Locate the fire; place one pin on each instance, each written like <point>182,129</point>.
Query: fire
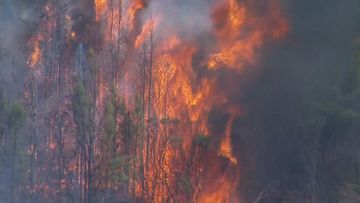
<point>44,31</point>
<point>35,56</point>
<point>100,6</point>
<point>282,27</point>
<point>229,19</point>
<point>175,75</point>
<point>145,33</point>
<point>225,147</point>
<point>177,96</point>
<point>73,34</point>
<point>132,12</point>
<point>236,45</point>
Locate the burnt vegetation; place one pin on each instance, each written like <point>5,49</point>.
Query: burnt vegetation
<point>220,101</point>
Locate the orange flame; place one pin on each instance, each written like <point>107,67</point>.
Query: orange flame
<point>35,56</point>
<point>237,46</point>
<point>225,147</point>
<point>147,29</point>
<point>180,94</point>
<point>100,6</point>
<point>181,98</point>
<point>132,12</point>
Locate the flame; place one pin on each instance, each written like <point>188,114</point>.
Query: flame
<point>181,95</point>
<point>100,6</point>
<point>236,45</point>
<point>148,27</point>
<point>43,35</point>
<point>225,147</point>
<point>133,11</point>
<point>73,34</point>
<point>278,20</point>
<point>35,56</point>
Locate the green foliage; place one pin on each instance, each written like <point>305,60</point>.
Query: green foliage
<point>79,98</point>
<point>94,68</point>
<point>17,117</point>
<point>351,85</point>
<point>120,164</point>
<point>176,141</point>
<point>350,192</point>
<point>357,68</point>
<point>13,159</point>
<point>12,117</point>
<point>120,177</point>
<point>80,107</point>
<point>152,121</point>
<point>117,162</point>
<point>329,108</point>
<point>138,106</point>
<point>183,183</point>
<point>127,128</point>
<point>3,103</point>
<point>3,112</point>
<point>3,50</point>
<point>202,141</point>
<point>331,139</point>
<point>122,107</point>
<point>109,120</point>
<point>167,120</point>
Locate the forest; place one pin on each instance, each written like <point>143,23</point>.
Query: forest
<point>179,101</point>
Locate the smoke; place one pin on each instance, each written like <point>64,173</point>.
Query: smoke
<point>312,61</point>
<point>17,20</point>
<point>310,64</point>
<point>189,19</point>
<point>322,39</point>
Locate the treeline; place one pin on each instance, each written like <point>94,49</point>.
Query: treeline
<point>298,145</point>
<point>13,154</point>
<point>87,137</point>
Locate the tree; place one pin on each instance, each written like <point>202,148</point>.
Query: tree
<point>16,121</point>
<point>81,117</point>
<point>3,115</point>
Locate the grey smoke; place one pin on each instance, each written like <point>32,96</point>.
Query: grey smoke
<point>17,19</point>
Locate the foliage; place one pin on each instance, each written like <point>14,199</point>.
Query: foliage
<point>120,162</point>
<point>17,117</point>
<point>202,140</point>
<point>167,120</point>
<point>80,107</point>
<point>109,120</point>
<point>183,183</point>
<point>94,68</point>
<point>12,144</point>
<point>176,141</point>
<point>329,108</point>
<point>3,113</point>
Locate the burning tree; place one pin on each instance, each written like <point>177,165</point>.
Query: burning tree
<point>123,98</point>
<point>179,101</point>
